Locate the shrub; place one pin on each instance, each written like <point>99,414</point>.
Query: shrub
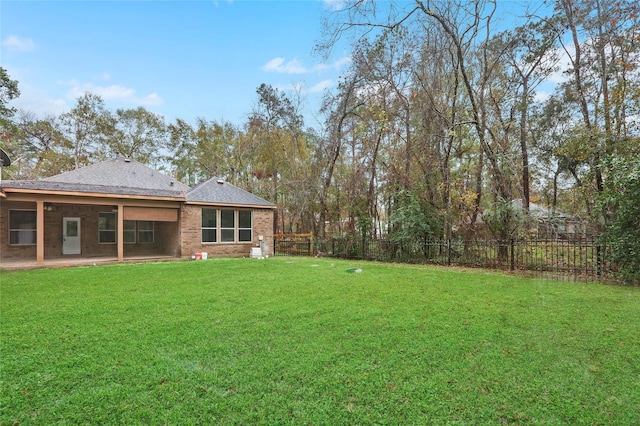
<point>620,205</point>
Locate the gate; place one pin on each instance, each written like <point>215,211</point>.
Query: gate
<point>293,244</point>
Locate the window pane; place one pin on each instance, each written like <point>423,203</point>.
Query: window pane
<point>107,221</point>
<point>107,236</point>
<point>129,231</point>
<point>22,219</point>
<point>145,231</point>
<point>22,237</point>
<point>227,235</point>
<point>244,235</point>
<point>129,237</point>
<point>22,227</point>
<point>145,236</point>
<point>107,227</point>
<point>209,235</point>
<point>209,218</point>
<point>72,228</point>
<point>145,225</point>
<point>227,218</point>
<point>244,219</point>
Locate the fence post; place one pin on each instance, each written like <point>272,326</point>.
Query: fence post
<point>448,251</point>
<point>599,259</point>
<point>311,244</point>
<point>513,257</point>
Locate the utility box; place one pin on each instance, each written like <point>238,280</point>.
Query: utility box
<point>256,252</point>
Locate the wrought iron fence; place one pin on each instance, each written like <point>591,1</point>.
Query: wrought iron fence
<point>575,258</point>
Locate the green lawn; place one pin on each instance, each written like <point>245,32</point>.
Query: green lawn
<point>304,341</point>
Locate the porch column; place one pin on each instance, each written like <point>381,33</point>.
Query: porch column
<point>40,231</point>
<point>120,236</point>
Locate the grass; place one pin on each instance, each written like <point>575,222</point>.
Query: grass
<point>303,341</point>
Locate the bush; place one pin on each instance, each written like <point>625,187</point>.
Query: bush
<point>620,205</point>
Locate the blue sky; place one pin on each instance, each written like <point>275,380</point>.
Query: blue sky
<point>181,59</point>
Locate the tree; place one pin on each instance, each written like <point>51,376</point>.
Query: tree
<point>38,147</point>
<point>8,91</point>
<point>87,127</point>
<point>276,131</point>
<point>621,204</point>
<point>134,133</point>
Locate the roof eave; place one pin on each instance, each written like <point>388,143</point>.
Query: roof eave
<point>89,194</point>
<point>219,204</point>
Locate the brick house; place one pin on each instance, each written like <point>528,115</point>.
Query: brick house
<point>123,209</point>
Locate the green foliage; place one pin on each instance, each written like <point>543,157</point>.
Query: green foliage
<point>504,218</point>
<point>138,134</point>
<point>410,221</point>
<point>86,128</point>
<point>243,341</point>
<point>8,91</point>
<point>620,205</point>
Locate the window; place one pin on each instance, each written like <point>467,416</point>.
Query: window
<point>209,225</point>
<point>145,231</point>
<point>107,228</point>
<point>22,227</point>
<point>129,232</point>
<point>244,226</point>
<point>227,226</point>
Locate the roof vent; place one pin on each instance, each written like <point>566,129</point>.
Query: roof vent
<point>220,181</point>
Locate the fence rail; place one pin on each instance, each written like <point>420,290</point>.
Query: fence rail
<point>293,244</point>
<point>575,258</point>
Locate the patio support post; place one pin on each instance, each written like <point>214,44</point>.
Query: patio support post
<point>40,231</point>
<point>120,237</point>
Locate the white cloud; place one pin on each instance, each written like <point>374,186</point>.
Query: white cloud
<point>113,93</point>
<point>541,95</point>
<point>295,66</point>
<point>321,86</point>
<point>345,60</point>
<point>563,64</point>
<point>279,65</point>
<point>334,5</point>
<point>39,102</point>
<point>17,44</point>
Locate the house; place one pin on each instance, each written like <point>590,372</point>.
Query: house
<point>123,209</point>
<point>554,224</point>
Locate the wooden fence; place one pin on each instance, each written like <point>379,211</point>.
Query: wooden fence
<point>293,244</point>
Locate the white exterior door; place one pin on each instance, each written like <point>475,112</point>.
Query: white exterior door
<point>70,235</point>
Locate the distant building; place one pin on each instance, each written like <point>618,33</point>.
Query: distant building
<point>550,224</point>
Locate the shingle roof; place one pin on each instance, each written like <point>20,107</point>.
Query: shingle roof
<point>128,177</point>
<point>219,192</point>
<point>121,172</point>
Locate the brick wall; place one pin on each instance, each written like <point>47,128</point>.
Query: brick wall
<point>181,238</point>
<point>191,235</point>
<point>166,234</point>
<point>13,252</point>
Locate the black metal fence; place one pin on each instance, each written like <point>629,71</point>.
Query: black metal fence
<point>574,258</point>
